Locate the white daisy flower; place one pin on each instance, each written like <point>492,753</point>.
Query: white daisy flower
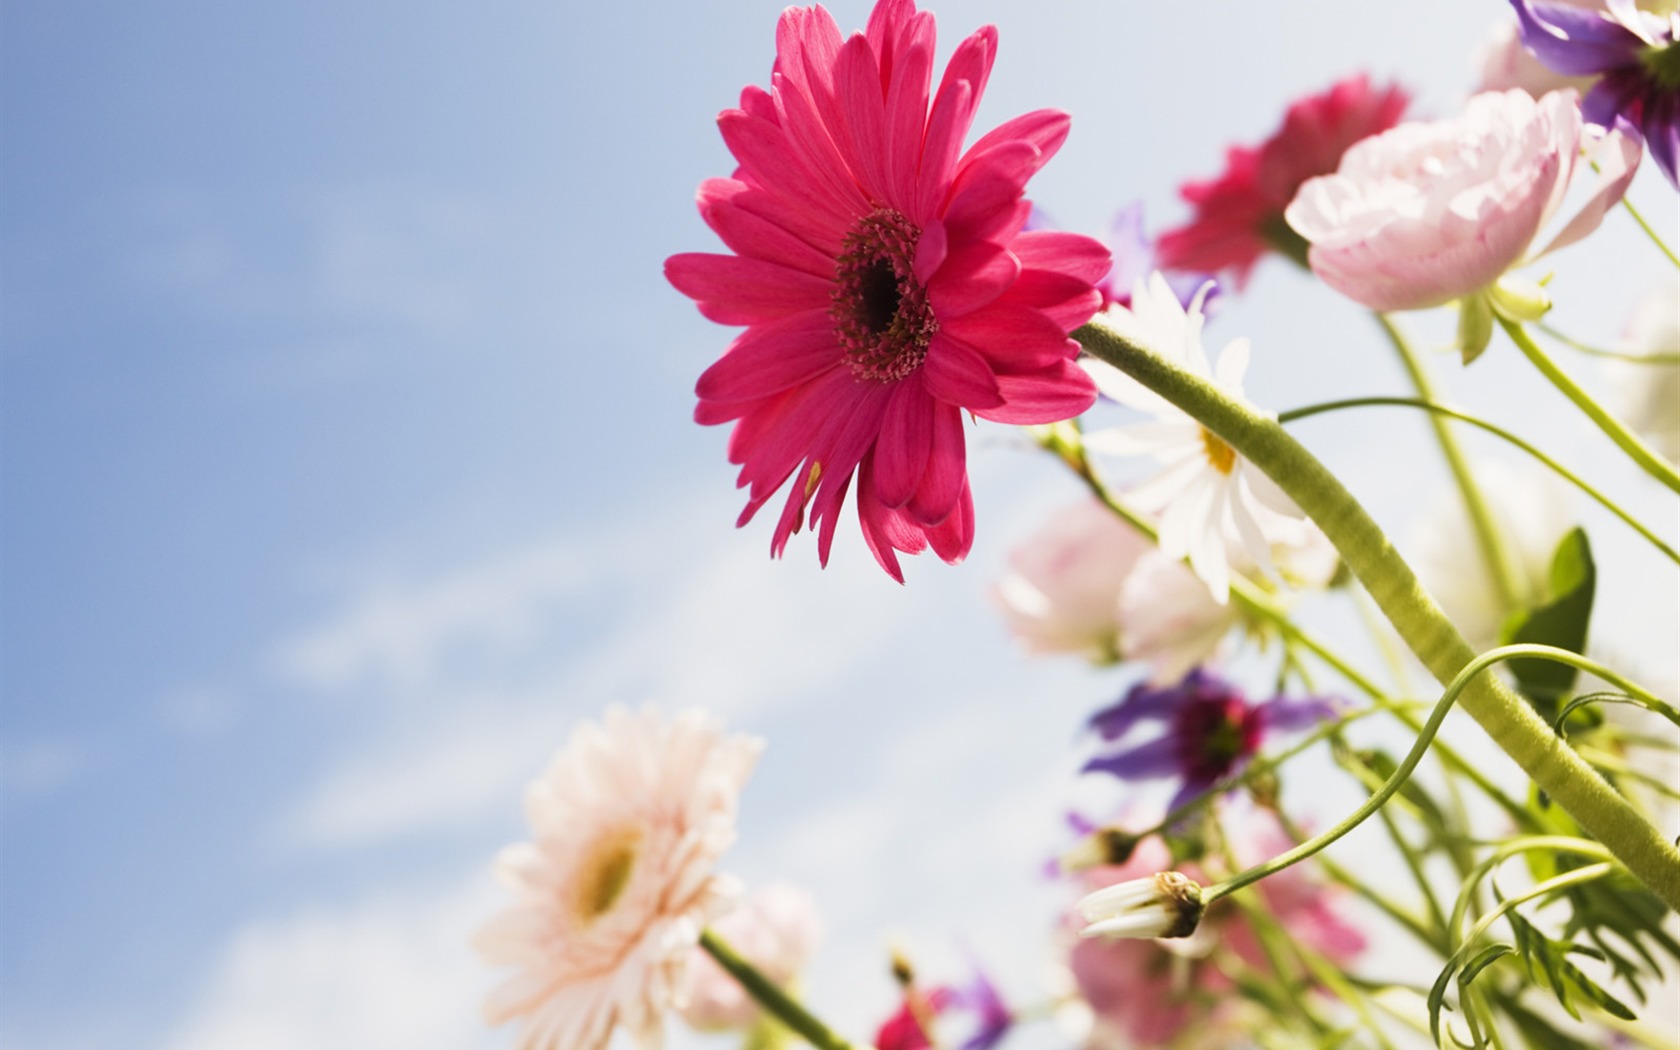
<point>1207,495</point>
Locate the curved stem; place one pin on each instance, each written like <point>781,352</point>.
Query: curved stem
<point>777,1002</point>
<point>1505,716</point>
<point>1551,464</point>
<point>1641,453</point>
<point>1649,232</point>
<point>1658,358</point>
<point>1494,554</point>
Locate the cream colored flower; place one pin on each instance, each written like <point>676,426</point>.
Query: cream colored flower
<point>1167,904</point>
<point>1648,395</point>
<point>617,883</point>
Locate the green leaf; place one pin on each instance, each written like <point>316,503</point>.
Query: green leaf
<point>1556,972</point>
<point>1561,622</point>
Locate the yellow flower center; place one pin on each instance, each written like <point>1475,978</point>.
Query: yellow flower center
<point>1220,456</point>
<point>605,872</point>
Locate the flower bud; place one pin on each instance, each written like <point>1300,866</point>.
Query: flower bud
<point>1167,904</point>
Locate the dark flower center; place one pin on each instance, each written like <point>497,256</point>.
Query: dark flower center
<point>1215,733</point>
<point>1662,63</point>
<point>880,311</point>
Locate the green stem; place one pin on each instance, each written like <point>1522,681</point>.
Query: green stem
<point>783,1006</point>
<point>1658,358</point>
<point>1405,919</point>
<point>1649,232</point>
<point>1641,453</point>
<point>1505,716</point>
<point>1551,464</point>
<point>1455,689</point>
<point>1495,556</point>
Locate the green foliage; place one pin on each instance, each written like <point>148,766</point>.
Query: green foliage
<point>1561,622</point>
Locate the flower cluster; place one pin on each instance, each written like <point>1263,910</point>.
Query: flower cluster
<point>892,285</point>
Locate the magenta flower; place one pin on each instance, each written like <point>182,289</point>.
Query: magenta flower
<point>886,282</point>
<point>1211,731</point>
<point>1635,54</point>
<point>1239,215</point>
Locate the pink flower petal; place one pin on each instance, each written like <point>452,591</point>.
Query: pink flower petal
<point>972,277</point>
<point>769,358</point>
<point>730,289</point>
<point>946,475</point>
<point>957,375</point>
<point>901,454</point>
<point>1061,392</point>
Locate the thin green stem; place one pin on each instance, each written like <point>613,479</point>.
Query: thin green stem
<point>1659,358</point>
<point>1553,844</point>
<point>1651,233</point>
<point>1408,921</point>
<point>1449,696</point>
<point>1443,410</point>
<point>782,1006</point>
<point>1505,716</point>
<point>1641,453</point>
<point>1500,564</point>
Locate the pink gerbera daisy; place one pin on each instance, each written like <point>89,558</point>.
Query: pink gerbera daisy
<point>885,281</point>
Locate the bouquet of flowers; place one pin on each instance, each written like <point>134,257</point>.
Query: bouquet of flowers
<point>893,284</point>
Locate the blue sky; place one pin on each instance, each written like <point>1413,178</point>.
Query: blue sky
<point>347,461</point>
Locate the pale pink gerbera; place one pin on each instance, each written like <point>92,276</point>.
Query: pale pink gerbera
<point>613,892</point>
<point>885,280</point>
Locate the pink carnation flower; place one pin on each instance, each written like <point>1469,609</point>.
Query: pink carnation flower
<point>1239,215</point>
<point>1431,212</point>
<point>613,892</point>
<point>1089,583</point>
<point>885,281</point>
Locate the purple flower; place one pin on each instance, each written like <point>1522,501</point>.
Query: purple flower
<point>1633,52</point>
<point>992,1019</point>
<point>1210,731</point>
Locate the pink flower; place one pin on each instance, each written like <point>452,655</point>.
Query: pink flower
<point>776,931</point>
<point>1089,583</point>
<point>1431,212</point>
<point>628,821</point>
<point>1147,993</point>
<point>1062,594</point>
<point>885,281</point>
<point>1239,215</point>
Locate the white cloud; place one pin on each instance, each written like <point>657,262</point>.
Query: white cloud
<point>396,634</point>
<point>391,971</point>
<point>726,629</point>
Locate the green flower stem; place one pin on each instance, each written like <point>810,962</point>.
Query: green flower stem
<point>1649,232</point>
<point>1551,464</point>
<point>1256,601</point>
<point>777,1002</point>
<point>1552,844</point>
<point>1500,564</point>
<point>1641,453</point>
<point>1659,358</point>
<point>1666,869</point>
<point>1408,921</point>
<point>1504,715</point>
